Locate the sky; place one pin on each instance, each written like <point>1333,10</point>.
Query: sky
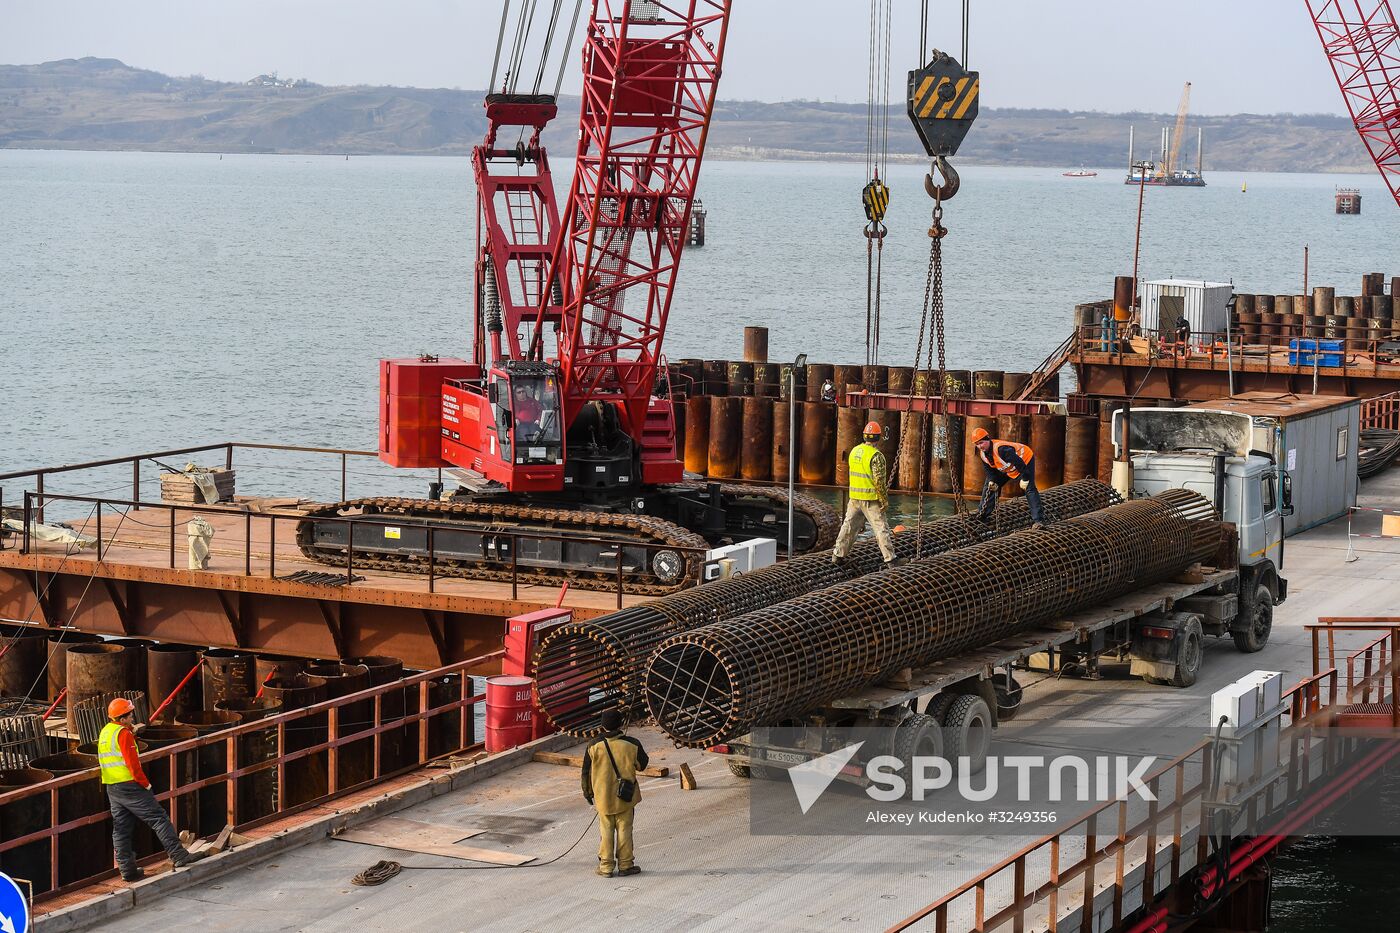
<point>1259,56</point>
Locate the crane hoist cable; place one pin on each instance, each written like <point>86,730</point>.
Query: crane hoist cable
<point>875,196</point>
<point>942,104</point>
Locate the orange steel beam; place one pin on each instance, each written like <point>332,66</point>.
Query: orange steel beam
<point>257,613</point>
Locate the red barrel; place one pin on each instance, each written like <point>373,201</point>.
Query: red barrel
<point>510,712</point>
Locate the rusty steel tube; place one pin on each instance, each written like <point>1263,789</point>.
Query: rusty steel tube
<point>716,377</point>
<point>166,667</point>
<point>586,667</point>
<point>740,378</point>
<point>756,453</point>
<point>913,451</point>
<point>816,443</point>
<point>845,378</point>
<point>817,374</point>
<point>697,434</point>
<point>900,380</point>
<point>1081,447</point>
<point>945,452</point>
<point>1048,442</point>
<point>1015,428</point>
<point>974,472</point>
<point>849,424</point>
<point>60,641</point>
<point>726,430</point>
<point>766,377</point>
<point>756,344</point>
<point>780,449</point>
<point>718,681</point>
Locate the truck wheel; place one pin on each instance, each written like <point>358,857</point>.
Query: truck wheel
<point>1190,653</point>
<point>1255,635</point>
<point>969,731</point>
<point>918,735</point>
<point>1008,695</point>
<point>749,770</point>
<point>938,707</point>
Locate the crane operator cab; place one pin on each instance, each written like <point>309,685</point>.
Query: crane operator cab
<point>524,401</point>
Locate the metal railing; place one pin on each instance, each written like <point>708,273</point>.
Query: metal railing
<point>227,448</point>
<point>322,756</point>
<point>1382,411</point>
<point>1222,351</point>
<point>1373,669</point>
<point>1188,778</point>
<point>503,541</point>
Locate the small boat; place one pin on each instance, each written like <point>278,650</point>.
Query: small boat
<point>1080,172</point>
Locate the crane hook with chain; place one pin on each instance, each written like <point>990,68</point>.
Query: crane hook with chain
<point>942,105</point>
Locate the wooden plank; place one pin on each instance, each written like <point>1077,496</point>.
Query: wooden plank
<point>576,761</point>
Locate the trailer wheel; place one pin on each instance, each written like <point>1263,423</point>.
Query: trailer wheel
<point>1255,635</point>
<point>968,731</point>
<point>1190,654</point>
<point>738,769</point>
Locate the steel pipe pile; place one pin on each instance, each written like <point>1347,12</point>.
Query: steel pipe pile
<point>584,668</point>
<point>713,683</point>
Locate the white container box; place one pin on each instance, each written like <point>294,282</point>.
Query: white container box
<point>1205,306</point>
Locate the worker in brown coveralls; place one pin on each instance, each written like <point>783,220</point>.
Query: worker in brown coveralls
<point>610,769</point>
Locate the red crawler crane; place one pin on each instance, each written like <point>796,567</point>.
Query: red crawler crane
<point>566,436</point>
<point>1362,44</point>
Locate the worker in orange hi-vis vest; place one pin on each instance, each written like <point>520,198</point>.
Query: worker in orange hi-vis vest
<point>1005,461</point>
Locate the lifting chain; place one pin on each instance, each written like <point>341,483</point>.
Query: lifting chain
<point>932,323</point>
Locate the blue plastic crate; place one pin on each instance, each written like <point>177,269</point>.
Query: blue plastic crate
<point>1326,352</point>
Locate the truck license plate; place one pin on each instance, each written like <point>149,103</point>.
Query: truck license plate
<point>789,757</point>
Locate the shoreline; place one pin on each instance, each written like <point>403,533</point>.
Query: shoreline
<point>713,154</point>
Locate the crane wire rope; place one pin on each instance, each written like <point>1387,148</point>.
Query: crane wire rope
<point>875,194</point>
<point>933,323</point>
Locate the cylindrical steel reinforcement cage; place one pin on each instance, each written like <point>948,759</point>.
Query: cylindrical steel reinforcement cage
<point>713,683</point>
<point>586,667</point>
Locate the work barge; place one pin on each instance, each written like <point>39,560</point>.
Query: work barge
<point>363,690</point>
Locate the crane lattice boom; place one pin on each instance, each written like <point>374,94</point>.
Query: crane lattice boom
<point>651,70</point>
<point>1362,43</point>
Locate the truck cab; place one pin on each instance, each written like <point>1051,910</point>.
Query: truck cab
<point>1246,491</point>
<point>1211,452</point>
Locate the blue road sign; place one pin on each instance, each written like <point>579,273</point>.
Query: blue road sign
<point>14,909</point>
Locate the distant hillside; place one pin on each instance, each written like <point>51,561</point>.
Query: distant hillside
<point>101,103</point>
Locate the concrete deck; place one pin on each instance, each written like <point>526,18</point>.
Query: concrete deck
<point>702,868</point>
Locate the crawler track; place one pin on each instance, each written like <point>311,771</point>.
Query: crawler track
<point>484,519</point>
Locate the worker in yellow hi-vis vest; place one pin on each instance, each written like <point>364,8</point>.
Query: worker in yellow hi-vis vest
<point>869,499</point>
<point>129,793</point>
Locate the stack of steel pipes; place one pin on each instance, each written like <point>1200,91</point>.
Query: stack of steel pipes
<point>716,682</point>
<point>584,668</point>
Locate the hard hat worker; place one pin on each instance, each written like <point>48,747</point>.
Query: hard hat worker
<point>1005,461</point>
<point>610,785</point>
<point>869,499</point>
<point>129,793</point>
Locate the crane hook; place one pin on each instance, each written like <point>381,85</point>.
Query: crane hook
<point>949,187</point>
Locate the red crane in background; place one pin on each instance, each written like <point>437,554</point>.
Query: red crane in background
<point>565,436</point>
<point>1362,44</point>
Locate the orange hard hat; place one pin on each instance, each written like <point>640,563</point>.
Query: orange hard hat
<point>872,427</point>
<point>119,708</point>
<point>979,435</point>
